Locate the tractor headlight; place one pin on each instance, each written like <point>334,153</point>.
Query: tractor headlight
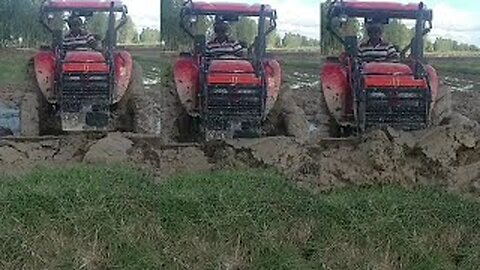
<point>219,91</point>
<point>409,95</point>
<point>98,78</point>
<point>377,95</point>
<point>74,78</point>
<point>246,91</point>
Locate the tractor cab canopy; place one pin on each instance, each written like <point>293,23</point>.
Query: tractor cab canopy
<point>231,12</point>
<point>379,10</point>
<point>232,9</point>
<point>382,12</point>
<point>83,6</point>
<point>227,12</point>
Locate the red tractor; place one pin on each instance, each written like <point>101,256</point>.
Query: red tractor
<point>404,94</point>
<point>80,88</point>
<point>230,95</point>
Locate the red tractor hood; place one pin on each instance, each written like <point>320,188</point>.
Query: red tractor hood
<point>386,69</point>
<point>84,57</point>
<point>391,75</point>
<point>231,66</point>
<point>232,72</point>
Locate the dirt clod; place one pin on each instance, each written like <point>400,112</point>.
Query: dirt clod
<point>441,144</point>
<point>112,149</point>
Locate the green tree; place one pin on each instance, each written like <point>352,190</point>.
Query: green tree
<point>443,45</point>
<point>245,30</point>
<point>329,44</point>
<point>19,19</point>
<point>98,24</point>
<point>291,40</point>
<point>173,36</point>
<point>428,45</point>
<point>398,33</point>
<point>150,36</point>
<point>128,33</point>
<point>274,40</point>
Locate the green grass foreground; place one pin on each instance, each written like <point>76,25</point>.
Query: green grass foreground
<point>117,218</point>
<point>13,67</point>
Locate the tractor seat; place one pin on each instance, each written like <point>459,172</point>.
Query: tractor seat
<point>386,68</point>
<point>84,57</point>
<point>231,66</point>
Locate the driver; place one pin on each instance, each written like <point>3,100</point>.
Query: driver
<point>222,43</point>
<point>78,37</point>
<point>376,48</point>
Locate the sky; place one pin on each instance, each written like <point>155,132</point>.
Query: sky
<point>454,19</point>
<point>145,13</point>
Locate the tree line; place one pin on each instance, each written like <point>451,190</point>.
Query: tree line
<point>395,32</point>
<point>20,26</point>
<point>174,38</point>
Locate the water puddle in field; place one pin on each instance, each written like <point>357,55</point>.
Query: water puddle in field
<point>461,84</point>
<point>300,80</point>
<point>151,77</point>
<point>300,85</point>
<point>9,119</point>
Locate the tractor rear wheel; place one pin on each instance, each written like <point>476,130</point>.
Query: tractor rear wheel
<point>177,124</point>
<point>37,112</point>
<point>442,106</point>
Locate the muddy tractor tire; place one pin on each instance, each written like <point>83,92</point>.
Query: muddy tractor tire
<point>144,108</point>
<point>177,124</point>
<point>287,118</point>
<point>326,126</point>
<point>47,121</point>
<point>29,115</point>
<point>442,107</point>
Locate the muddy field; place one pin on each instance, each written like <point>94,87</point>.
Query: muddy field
<point>446,156</point>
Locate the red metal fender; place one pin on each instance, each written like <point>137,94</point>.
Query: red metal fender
<point>44,67</point>
<point>123,74</point>
<point>336,89</point>
<point>226,72</point>
<point>434,82</point>
<point>185,73</point>
<point>274,82</point>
